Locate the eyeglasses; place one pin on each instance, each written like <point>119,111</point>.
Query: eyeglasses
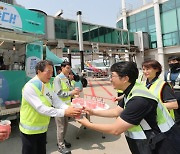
<point>48,71</point>
<point>114,76</point>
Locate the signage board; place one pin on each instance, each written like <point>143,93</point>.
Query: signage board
<point>21,20</point>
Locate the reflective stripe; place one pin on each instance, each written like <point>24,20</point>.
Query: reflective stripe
<point>158,87</point>
<point>137,132</point>
<point>142,93</point>
<point>140,133</point>
<point>145,125</point>
<point>177,83</point>
<point>136,135</point>
<point>168,77</point>
<point>166,126</point>
<point>35,128</point>
<point>169,121</point>
<point>32,122</point>
<point>65,88</point>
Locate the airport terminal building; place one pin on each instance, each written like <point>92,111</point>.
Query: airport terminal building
<point>160,20</point>
<point>151,31</point>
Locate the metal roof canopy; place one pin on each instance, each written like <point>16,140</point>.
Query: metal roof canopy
<point>20,37</point>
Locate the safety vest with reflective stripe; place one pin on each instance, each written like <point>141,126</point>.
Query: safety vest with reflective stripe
<point>177,81</point>
<point>164,121</point>
<point>32,122</point>
<point>65,87</point>
<point>156,89</point>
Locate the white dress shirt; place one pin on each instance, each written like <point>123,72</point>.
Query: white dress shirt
<point>32,98</point>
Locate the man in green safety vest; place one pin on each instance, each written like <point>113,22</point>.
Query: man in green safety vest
<point>63,89</point>
<point>39,103</point>
<point>148,126</point>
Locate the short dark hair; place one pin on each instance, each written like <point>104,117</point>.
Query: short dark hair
<point>58,68</point>
<point>126,68</point>
<point>42,64</point>
<point>174,58</point>
<point>153,64</point>
<point>65,63</point>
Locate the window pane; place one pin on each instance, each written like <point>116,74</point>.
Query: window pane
<point>153,40</point>
<point>108,35</point>
<point>142,25</point>
<point>153,37</point>
<point>151,24</point>
<point>119,24</point>
<point>131,19</point>
<point>71,30</point>
<point>169,21</point>
<point>131,38</point>
<point>94,33</point>
<point>150,12</point>
<point>170,39</point>
<point>132,27</point>
<point>140,15</point>
<point>60,29</point>
<point>169,5</point>
<point>116,37</point>
<point>85,31</point>
<point>153,45</point>
<point>102,31</point>
<point>177,3</point>
<point>125,37</point>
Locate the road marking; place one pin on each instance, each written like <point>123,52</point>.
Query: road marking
<point>105,89</point>
<point>92,89</point>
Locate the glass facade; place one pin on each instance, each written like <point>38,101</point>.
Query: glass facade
<point>65,29</point>
<point>169,5</point>
<point>144,21</point>
<point>170,16</point>
<point>170,23</point>
<point>177,3</point>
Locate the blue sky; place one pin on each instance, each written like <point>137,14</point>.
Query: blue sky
<point>101,12</point>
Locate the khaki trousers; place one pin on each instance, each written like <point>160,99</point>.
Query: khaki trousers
<point>61,124</point>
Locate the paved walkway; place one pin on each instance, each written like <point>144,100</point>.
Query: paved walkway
<point>89,141</point>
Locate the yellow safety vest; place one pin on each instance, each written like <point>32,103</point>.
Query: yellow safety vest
<point>32,122</point>
<point>65,88</point>
<point>73,84</point>
<point>156,89</point>
<point>165,122</point>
